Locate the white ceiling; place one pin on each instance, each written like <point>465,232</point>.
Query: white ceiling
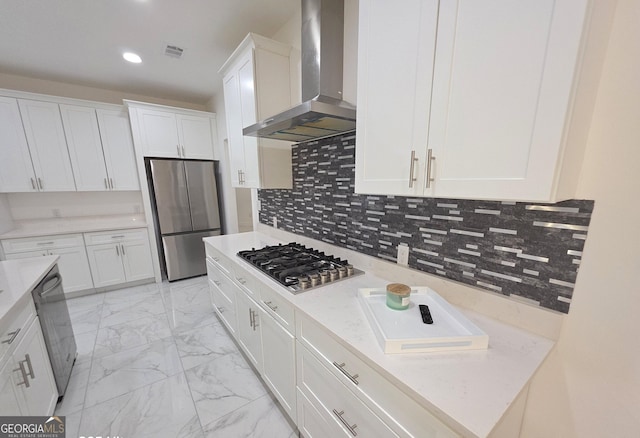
<point>81,41</point>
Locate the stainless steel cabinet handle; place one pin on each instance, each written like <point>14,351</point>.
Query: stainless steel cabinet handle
<point>28,361</point>
<point>12,337</point>
<point>412,169</point>
<point>178,147</point>
<point>347,425</point>
<point>430,159</point>
<point>241,280</point>
<point>33,184</point>
<point>340,366</point>
<point>221,309</point>
<point>117,250</point>
<point>255,320</point>
<point>45,243</point>
<point>119,236</point>
<point>217,283</point>
<point>111,183</point>
<point>106,184</point>
<point>251,318</point>
<point>40,184</point>
<point>271,306</point>
<point>122,249</point>
<point>25,378</point>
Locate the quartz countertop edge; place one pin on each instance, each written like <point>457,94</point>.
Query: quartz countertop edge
<point>73,225</point>
<point>469,390</point>
<point>18,278</point>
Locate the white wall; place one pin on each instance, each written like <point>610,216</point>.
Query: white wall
<point>24,206</point>
<point>590,386</point>
<point>6,219</point>
<point>63,89</point>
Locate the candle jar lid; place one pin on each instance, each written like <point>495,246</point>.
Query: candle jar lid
<point>398,296</point>
<point>399,289</point>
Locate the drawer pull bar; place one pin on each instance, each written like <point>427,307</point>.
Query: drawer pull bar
<point>340,366</point>
<point>251,319</point>
<point>12,337</point>
<point>352,429</point>
<point>271,306</point>
<point>25,378</point>
<point>45,243</point>
<point>28,361</point>
<point>120,236</point>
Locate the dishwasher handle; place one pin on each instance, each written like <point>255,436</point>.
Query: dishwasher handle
<point>55,286</point>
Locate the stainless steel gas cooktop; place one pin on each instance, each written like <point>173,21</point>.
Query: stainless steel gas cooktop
<point>299,268</point>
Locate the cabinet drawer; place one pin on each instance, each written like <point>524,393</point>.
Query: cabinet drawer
<point>333,400</point>
<point>116,236</point>
<point>219,260</point>
<point>42,242</point>
<point>404,415</point>
<point>14,326</point>
<point>281,310</point>
<point>247,282</point>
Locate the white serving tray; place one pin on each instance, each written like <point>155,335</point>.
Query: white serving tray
<point>402,331</point>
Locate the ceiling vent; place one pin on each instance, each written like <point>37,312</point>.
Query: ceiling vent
<point>173,51</point>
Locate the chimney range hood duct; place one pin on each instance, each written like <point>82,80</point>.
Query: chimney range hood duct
<point>323,113</point>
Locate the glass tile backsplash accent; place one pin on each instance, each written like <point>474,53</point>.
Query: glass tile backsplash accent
<point>530,252</point>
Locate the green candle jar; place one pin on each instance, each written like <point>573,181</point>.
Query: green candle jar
<point>398,296</point>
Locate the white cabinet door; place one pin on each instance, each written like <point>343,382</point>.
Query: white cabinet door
<point>395,63</point>
<point>195,135</point>
<point>106,264</point>
<point>234,127</point>
<point>279,363</point>
<point>16,170</point>
<point>249,326</point>
<point>311,422</point>
<point>85,147</point>
<point>47,144</point>
<point>9,390</point>
<point>136,258</point>
<point>32,373</point>
<point>251,176</point>
<point>117,144</point>
<point>74,268</point>
<point>501,90</point>
<point>159,133</point>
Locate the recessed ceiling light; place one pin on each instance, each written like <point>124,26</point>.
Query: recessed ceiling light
<point>132,57</point>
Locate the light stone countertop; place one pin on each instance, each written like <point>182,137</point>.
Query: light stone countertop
<point>71,225</point>
<point>469,389</point>
<point>18,278</point>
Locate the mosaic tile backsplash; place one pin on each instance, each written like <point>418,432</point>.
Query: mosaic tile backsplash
<point>531,252</point>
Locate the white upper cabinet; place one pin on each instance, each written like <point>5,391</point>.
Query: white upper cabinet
<point>257,85</point>
<point>175,133</point>
<point>100,147</point>
<point>478,102</point>
<point>47,145</point>
<point>16,170</point>
<point>117,144</point>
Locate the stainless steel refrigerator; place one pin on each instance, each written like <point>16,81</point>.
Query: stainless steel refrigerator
<point>185,200</point>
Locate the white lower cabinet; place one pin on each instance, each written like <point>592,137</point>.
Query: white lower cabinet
<point>119,256</point>
<point>32,375</point>
<point>249,327</point>
<point>223,296</point>
<point>27,385</point>
<point>73,262</point>
<point>311,423</point>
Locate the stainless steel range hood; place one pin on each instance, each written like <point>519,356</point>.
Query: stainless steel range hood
<point>323,113</point>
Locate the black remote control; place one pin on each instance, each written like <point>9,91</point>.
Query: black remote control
<point>426,315</point>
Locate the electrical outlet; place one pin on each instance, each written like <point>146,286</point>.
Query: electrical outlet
<point>275,222</point>
<point>403,255</point>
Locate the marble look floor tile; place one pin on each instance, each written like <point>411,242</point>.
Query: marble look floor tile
<point>120,337</point>
<point>73,400</point>
<point>85,320</point>
<point>131,293</point>
<point>85,343</point>
<point>262,418</point>
<point>187,295</point>
<point>182,319</point>
<point>203,344</point>
<point>223,385</point>
<point>72,424</point>
<point>162,409</point>
<point>122,372</point>
<point>126,311</point>
<point>85,301</point>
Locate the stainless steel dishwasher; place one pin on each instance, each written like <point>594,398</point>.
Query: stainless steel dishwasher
<point>51,307</point>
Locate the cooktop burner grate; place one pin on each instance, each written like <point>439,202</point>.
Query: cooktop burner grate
<point>297,267</point>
